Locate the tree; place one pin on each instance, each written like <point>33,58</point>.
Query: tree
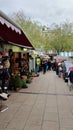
<point>31,29</point>
<point>60,38</point>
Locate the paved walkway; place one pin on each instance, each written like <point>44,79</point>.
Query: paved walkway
<point>47,104</point>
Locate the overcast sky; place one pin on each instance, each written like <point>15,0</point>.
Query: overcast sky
<point>46,12</point>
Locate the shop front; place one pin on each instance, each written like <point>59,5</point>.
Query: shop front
<point>13,41</point>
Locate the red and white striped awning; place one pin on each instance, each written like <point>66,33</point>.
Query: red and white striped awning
<point>9,25</point>
<point>12,33</point>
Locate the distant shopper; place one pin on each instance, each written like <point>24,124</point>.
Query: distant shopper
<point>36,68</point>
<point>38,62</point>
<point>59,69</point>
<point>71,78</point>
<point>44,64</point>
<point>49,64</point>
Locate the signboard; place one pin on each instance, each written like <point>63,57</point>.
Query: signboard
<point>66,54</point>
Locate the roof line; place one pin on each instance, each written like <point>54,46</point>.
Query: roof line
<point>19,45</point>
<point>9,20</point>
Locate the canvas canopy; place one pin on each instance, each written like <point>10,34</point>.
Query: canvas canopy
<point>12,33</point>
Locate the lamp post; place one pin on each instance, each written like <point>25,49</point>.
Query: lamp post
<point>46,33</point>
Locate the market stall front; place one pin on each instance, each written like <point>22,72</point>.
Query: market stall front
<point>13,39</point>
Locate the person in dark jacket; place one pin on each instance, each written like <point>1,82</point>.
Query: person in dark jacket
<point>71,78</point>
<point>44,64</point>
<point>1,71</point>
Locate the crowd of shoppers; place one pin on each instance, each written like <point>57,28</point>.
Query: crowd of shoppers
<point>59,67</point>
<point>64,69</point>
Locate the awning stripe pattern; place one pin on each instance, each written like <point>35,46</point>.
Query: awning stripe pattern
<point>9,25</point>
<point>10,32</point>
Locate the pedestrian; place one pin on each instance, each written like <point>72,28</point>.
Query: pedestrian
<point>1,71</point>
<point>36,69</point>
<point>59,69</point>
<point>49,64</point>
<point>70,81</point>
<point>44,64</point>
<point>38,62</point>
<point>6,75</point>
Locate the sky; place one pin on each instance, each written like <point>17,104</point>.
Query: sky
<point>46,12</point>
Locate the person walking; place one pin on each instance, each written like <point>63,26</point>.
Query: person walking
<point>70,79</point>
<point>44,64</point>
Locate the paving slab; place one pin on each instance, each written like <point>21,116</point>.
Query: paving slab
<point>47,104</point>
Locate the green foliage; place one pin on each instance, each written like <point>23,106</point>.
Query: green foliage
<point>27,73</point>
<point>59,38</point>
<point>30,28</point>
<point>28,80</point>
<point>11,82</point>
<point>62,38</point>
<point>24,85</point>
<point>17,82</point>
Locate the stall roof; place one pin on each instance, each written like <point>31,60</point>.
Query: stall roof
<point>12,33</point>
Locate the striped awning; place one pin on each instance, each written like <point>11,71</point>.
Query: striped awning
<point>11,33</point>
